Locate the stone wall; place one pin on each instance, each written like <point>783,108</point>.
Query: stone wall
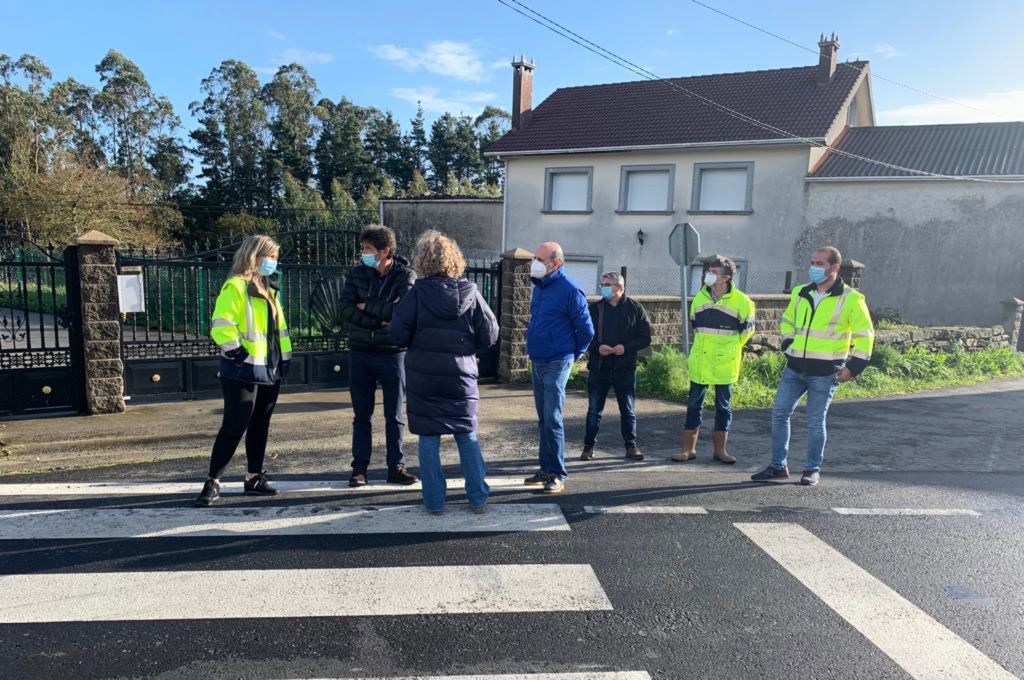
<point>516,290</point>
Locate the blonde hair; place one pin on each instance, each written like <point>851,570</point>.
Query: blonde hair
<point>248,256</point>
<point>438,255</point>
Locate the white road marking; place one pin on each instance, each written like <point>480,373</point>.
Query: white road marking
<point>270,521</point>
<point>922,646</point>
<point>937,512</point>
<point>621,675</point>
<point>193,488</point>
<point>644,510</point>
<point>170,595</point>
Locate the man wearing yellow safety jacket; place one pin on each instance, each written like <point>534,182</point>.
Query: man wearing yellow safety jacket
<point>250,328</point>
<point>827,337</point>
<point>722,317</point>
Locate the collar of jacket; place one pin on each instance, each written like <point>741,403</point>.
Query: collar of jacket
<point>835,291</point>
<point>397,262</point>
<point>728,291</point>
<point>622,301</point>
<point>251,289</point>
<point>550,278</point>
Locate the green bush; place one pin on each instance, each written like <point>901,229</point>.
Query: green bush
<point>664,375</point>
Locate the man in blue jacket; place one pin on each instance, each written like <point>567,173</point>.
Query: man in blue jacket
<point>560,332</point>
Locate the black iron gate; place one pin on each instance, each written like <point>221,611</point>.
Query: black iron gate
<point>40,344</point>
<point>487,277</point>
<point>167,349</point>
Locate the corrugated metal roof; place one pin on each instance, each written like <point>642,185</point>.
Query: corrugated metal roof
<point>649,113</point>
<point>972,149</point>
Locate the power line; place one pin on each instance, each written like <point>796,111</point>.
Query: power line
<point>608,55</point>
<point>843,64</point>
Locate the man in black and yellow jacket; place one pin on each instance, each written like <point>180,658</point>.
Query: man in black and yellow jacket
<point>827,337</point>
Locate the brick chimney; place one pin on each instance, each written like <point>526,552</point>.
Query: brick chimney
<point>522,91</point>
<point>828,49</point>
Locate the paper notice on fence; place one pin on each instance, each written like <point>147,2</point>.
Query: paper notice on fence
<point>130,293</point>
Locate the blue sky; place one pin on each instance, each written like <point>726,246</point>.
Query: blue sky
<point>454,55</point>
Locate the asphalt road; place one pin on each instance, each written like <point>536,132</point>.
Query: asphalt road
<point>904,563</point>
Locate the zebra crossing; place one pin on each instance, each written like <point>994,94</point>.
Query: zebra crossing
<point>489,586</point>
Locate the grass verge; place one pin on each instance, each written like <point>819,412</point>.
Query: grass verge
<point>664,375</point>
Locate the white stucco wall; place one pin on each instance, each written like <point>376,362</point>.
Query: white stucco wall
<point>763,238</point>
<point>941,252</point>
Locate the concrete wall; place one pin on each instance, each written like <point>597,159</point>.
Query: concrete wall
<point>940,252</point>
<point>474,223</point>
<point>764,237</point>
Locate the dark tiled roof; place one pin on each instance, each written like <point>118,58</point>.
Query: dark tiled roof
<point>964,150</point>
<point>646,112</point>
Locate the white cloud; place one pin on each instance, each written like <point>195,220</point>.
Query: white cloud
<point>449,58</point>
<point>276,35</point>
<point>433,101</point>
<point>994,106</point>
<point>887,51</point>
<point>304,57</point>
<point>671,32</point>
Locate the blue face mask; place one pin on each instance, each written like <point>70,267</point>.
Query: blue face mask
<point>369,260</point>
<point>817,274</point>
<point>607,292</point>
<point>268,266</point>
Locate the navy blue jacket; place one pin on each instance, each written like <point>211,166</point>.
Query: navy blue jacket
<point>560,326</point>
<point>444,322</point>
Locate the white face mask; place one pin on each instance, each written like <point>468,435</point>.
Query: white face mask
<point>538,270</point>
<point>710,279</point>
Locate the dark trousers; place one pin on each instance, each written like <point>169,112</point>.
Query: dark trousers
<point>723,406</point>
<point>247,410</point>
<point>624,382</point>
<point>365,371</point>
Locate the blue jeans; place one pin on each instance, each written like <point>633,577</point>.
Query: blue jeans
<point>819,390</point>
<point>598,384</point>
<point>549,379</point>
<point>473,469</point>
<point>723,407</point>
<point>366,370</point>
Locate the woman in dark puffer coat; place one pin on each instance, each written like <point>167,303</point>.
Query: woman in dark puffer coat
<point>445,322</point>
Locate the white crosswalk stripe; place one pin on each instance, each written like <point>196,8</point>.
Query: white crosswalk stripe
<point>274,521</point>
<point>161,595</point>
<point>909,512</point>
<point>626,675</point>
<point>644,510</point>
<point>922,646</point>
<point>227,487</point>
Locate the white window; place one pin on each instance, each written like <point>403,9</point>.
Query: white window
<point>646,188</point>
<point>722,187</point>
<point>585,272</point>
<point>568,189</point>
<point>851,113</point>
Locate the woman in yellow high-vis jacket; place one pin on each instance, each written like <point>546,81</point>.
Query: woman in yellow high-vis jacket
<point>250,328</point>
<point>722,317</point>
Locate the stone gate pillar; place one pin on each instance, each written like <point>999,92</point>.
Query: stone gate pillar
<point>101,324</point>
<point>516,291</point>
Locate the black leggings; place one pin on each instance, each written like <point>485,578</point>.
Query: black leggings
<point>247,409</point>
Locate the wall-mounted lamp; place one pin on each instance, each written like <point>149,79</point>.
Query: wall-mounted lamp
<point>640,236</point>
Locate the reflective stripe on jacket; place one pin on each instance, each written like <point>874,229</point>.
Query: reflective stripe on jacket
<point>242,320</point>
<point>821,340</point>
<point>720,330</point>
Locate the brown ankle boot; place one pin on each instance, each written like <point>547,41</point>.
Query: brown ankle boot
<point>689,450</point>
<point>718,442</point>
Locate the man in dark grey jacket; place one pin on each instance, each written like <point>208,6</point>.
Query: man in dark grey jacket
<point>372,290</point>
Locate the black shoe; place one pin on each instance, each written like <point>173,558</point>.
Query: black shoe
<point>358,478</point>
<point>770,474</point>
<point>398,475</point>
<point>259,486</point>
<point>588,453</point>
<point>209,495</point>
<point>633,453</point>
<point>539,477</point>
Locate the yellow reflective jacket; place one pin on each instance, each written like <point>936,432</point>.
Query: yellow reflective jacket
<point>818,340</point>
<point>720,330</point>
<point>255,345</point>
